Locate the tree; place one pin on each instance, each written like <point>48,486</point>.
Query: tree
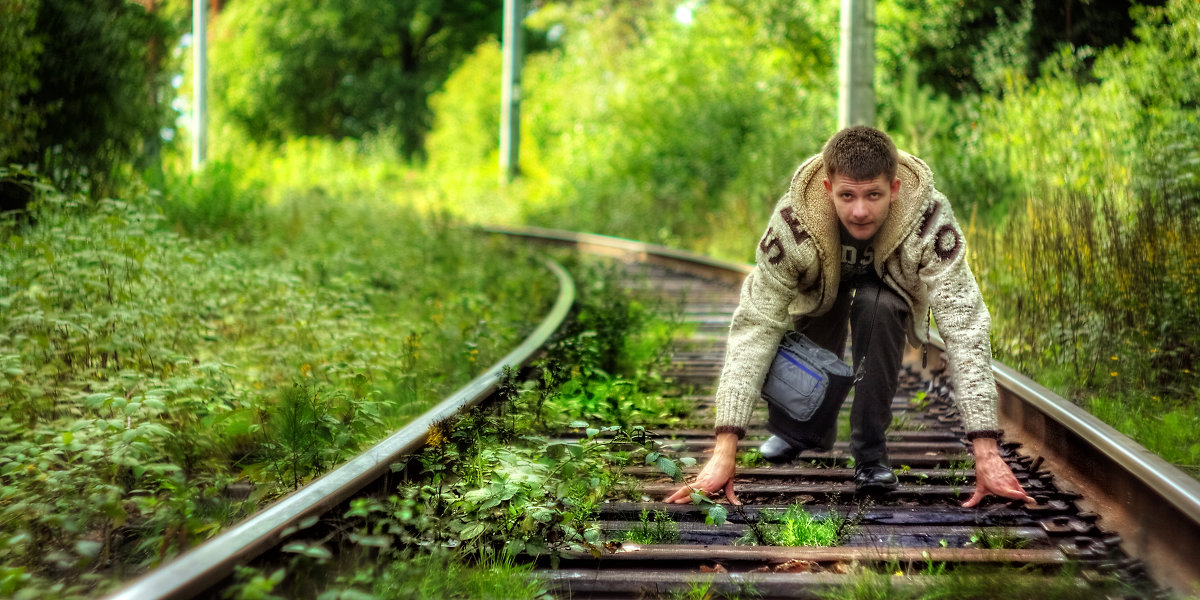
<point>339,68</point>
<point>20,47</point>
<point>77,99</point>
<point>963,46</point>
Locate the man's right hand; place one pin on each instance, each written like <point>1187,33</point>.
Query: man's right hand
<point>716,475</point>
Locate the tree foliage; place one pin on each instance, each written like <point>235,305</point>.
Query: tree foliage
<point>20,48</point>
<point>80,85</point>
<point>644,122</point>
<point>342,69</point>
<point>96,93</point>
<point>962,47</point>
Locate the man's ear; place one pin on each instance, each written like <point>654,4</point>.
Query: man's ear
<point>895,186</point>
<point>829,186</point>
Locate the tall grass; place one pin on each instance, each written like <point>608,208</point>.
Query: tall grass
<point>1096,296</point>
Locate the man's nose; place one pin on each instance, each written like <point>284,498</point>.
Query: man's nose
<point>859,209</point>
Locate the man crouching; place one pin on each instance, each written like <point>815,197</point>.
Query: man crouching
<point>861,239</point>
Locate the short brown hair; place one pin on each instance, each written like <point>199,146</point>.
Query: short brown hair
<point>860,153</point>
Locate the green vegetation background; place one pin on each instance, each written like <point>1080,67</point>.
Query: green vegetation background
<point>1067,143</point>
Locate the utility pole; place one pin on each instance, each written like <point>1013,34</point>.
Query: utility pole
<point>856,67</point>
<point>199,83</point>
<point>510,93</point>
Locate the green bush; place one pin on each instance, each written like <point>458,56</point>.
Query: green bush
<point>97,90</point>
<point>341,69</point>
<point>21,48</point>
<point>636,124</point>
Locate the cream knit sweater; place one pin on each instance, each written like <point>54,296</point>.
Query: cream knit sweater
<point>920,253</point>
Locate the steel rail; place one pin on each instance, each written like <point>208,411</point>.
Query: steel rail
<point>197,570</point>
<point>604,245</point>
<point>1153,505</point>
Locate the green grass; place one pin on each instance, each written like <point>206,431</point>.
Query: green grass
<point>1171,431</point>
<point>965,583</point>
<point>798,527</point>
<point>659,529</point>
<point>442,575</point>
<point>997,539</point>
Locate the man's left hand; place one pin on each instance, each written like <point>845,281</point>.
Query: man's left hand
<point>992,475</point>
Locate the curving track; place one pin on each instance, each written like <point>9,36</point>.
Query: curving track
<point>1104,503</point>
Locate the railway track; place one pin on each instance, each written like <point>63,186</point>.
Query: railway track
<point>1106,509</point>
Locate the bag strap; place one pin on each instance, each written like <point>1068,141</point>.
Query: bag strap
<point>861,368</point>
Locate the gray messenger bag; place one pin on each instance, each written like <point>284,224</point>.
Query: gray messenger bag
<point>805,390</point>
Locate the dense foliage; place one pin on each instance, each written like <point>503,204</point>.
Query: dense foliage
<point>157,388</point>
<point>632,113</point>
<point>81,96</point>
<point>682,127</point>
<point>341,69</point>
<point>20,49</point>
<point>965,47</point>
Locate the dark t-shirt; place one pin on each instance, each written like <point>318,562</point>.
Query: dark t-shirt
<point>857,260</point>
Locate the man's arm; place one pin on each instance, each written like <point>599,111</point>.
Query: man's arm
<point>717,474</point>
<point>965,324</point>
<point>992,475</point>
<point>786,258</point>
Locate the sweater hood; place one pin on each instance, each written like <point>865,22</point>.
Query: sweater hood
<point>816,213</point>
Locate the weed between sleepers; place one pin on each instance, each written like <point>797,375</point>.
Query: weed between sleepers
<point>659,529</point>
<point>934,582</point>
<point>796,526</point>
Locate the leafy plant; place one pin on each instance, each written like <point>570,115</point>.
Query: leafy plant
<point>341,70</point>
<point>997,539</point>
<point>798,527</point>
<point>659,529</point>
<point>157,388</point>
<point>750,459</point>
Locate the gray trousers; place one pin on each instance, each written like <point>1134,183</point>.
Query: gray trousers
<point>876,316</point>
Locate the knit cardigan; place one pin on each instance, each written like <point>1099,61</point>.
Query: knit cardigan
<point>920,253</point>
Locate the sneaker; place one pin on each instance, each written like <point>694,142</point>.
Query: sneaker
<point>874,476</point>
<point>778,451</point>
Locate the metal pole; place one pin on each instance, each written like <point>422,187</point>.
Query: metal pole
<point>856,68</point>
<point>199,82</point>
<point>510,93</point>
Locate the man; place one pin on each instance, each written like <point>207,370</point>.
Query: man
<point>861,236</point>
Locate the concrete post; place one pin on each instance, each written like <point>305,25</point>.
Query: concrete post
<point>856,67</point>
<point>510,93</point>
<point>199,83</point>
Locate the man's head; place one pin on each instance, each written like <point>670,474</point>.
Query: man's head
<point>860,178</point>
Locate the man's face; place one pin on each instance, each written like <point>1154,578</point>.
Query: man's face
<point>862,205</point>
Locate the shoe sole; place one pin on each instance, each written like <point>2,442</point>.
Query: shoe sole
<point>780,460</point>
<point>876,488</point>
